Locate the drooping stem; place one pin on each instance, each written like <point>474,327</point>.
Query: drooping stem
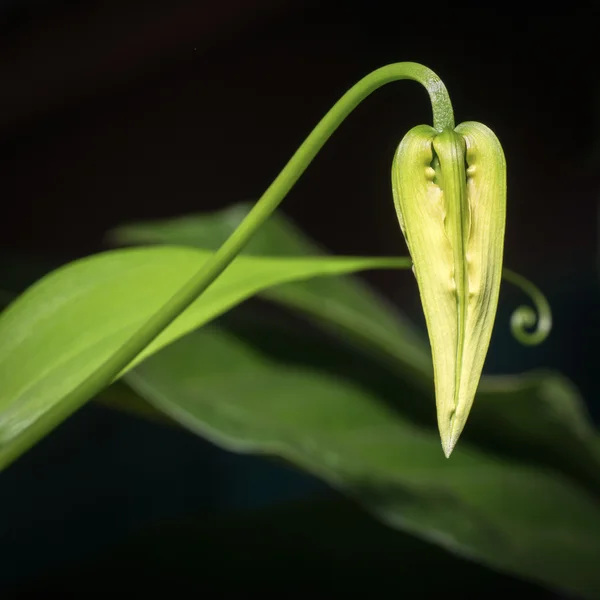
<point>442,118</point>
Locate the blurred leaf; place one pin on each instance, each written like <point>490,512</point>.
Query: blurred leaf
<point>63,328</point>
<point>538,416</point>
<point>514,517</point>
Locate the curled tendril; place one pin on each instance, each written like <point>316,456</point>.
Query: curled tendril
<point>525,317</point>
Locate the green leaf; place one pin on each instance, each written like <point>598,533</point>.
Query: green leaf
<point>343,304</point>
<point>537,417</point>
<point>63,328</point>
<point>118,396</point>
<point>512,516</point>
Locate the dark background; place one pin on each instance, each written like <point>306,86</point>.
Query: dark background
<point>114,111</point>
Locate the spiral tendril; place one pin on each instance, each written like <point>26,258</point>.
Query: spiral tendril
<point>525,318</point>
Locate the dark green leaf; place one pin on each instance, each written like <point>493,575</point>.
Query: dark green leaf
<point>514,517</point>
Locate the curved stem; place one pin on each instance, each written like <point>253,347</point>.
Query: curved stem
<point>525,317</point>
<point>442,118</point>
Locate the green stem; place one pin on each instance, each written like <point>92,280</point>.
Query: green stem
<point>442,118</point>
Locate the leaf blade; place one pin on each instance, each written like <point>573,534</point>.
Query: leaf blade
<point>66,325</point>
<point>514,517</point>
<point>342,303</point>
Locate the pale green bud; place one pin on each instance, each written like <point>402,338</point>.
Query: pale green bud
<point>450,196</point>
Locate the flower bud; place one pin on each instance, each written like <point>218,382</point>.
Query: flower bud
<point>450,195</point>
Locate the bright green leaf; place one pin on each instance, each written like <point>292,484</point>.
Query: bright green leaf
<point>59,332</point>
<point>344,304</point>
